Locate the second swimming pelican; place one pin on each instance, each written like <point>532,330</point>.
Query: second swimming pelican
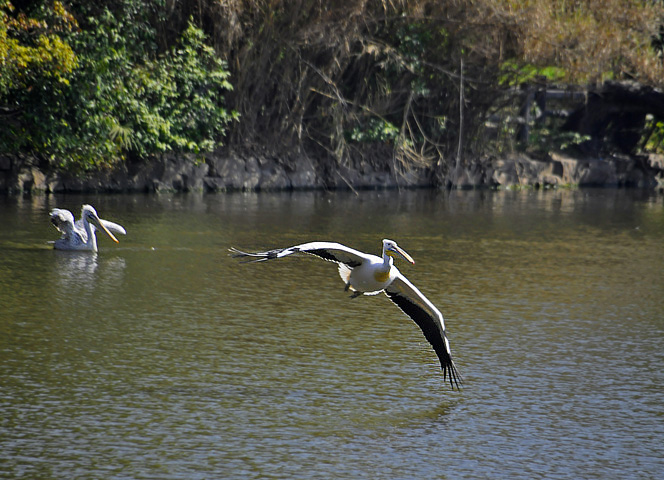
<point>80,235</point>
<point>366,274</point>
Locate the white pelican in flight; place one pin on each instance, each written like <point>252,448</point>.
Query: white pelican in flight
<point>80,235</point>
<point>366,274</point>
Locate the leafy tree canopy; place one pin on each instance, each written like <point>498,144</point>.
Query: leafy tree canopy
<point>81,99</point>
<point>89,84</point>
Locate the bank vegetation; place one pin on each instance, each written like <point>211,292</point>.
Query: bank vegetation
<point>399,83</point>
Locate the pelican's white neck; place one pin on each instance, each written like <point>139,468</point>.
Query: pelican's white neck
<point>387,259</point>
<point>89,231</point>
<point>87,226</point>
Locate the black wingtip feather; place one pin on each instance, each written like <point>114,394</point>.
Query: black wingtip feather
<point>422,319</point>
<point>455,378</point>
<point>254,257</point>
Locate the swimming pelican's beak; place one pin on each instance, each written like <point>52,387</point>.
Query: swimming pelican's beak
<point>402,253</point>
<point>101,224</point>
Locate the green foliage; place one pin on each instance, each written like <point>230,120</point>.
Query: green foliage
<point>402,77</point>
<point>412,41</point>
<point>32,50</point>
<point>36,63</point>
<point>513,74</point>
<point>115,98</point>
<point>546,140</point>
<point>97,82</point>
<point>376,130</point>
<point>653,136</point>
<point>172,103</point>
<point>190,83</point>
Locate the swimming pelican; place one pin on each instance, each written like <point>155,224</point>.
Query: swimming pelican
<point>366,274</point>
<point>80,235</point>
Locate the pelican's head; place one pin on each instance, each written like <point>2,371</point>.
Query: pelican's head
<point>90,214</point>
<point>393,250</point>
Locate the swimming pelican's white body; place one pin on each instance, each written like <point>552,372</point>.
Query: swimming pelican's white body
<point>367,274</point>
<point>81,235</point>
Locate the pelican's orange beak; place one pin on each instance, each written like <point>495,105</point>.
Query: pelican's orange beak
<point>101,224</point>
<point>402,253</point>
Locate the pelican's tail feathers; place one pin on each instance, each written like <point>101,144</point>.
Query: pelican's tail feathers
<point>344,273</point>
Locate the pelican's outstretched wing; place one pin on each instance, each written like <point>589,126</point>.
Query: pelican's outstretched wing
<point>63,220</point>
<point>334,252</point>
<point>414,304</point>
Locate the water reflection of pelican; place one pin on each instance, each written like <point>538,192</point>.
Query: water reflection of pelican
<point>80,235</point>
<point>366,274</point>
<point>79,273</point>
<point>76,269</point>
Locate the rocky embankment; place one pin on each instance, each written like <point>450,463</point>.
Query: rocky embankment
<point>248,172</point>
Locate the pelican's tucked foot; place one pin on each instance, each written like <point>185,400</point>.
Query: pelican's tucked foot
<point>356,294</point>
<point>347,287</point>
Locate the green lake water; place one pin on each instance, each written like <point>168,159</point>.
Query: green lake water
<point>162,357</point>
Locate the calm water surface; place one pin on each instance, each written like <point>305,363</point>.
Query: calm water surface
<point>163,358</point>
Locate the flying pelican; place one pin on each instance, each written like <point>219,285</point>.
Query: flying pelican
<point>80,235</point>
<point>366,274</point>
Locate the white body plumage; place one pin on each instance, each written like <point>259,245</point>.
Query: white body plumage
<point>80,235</point>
